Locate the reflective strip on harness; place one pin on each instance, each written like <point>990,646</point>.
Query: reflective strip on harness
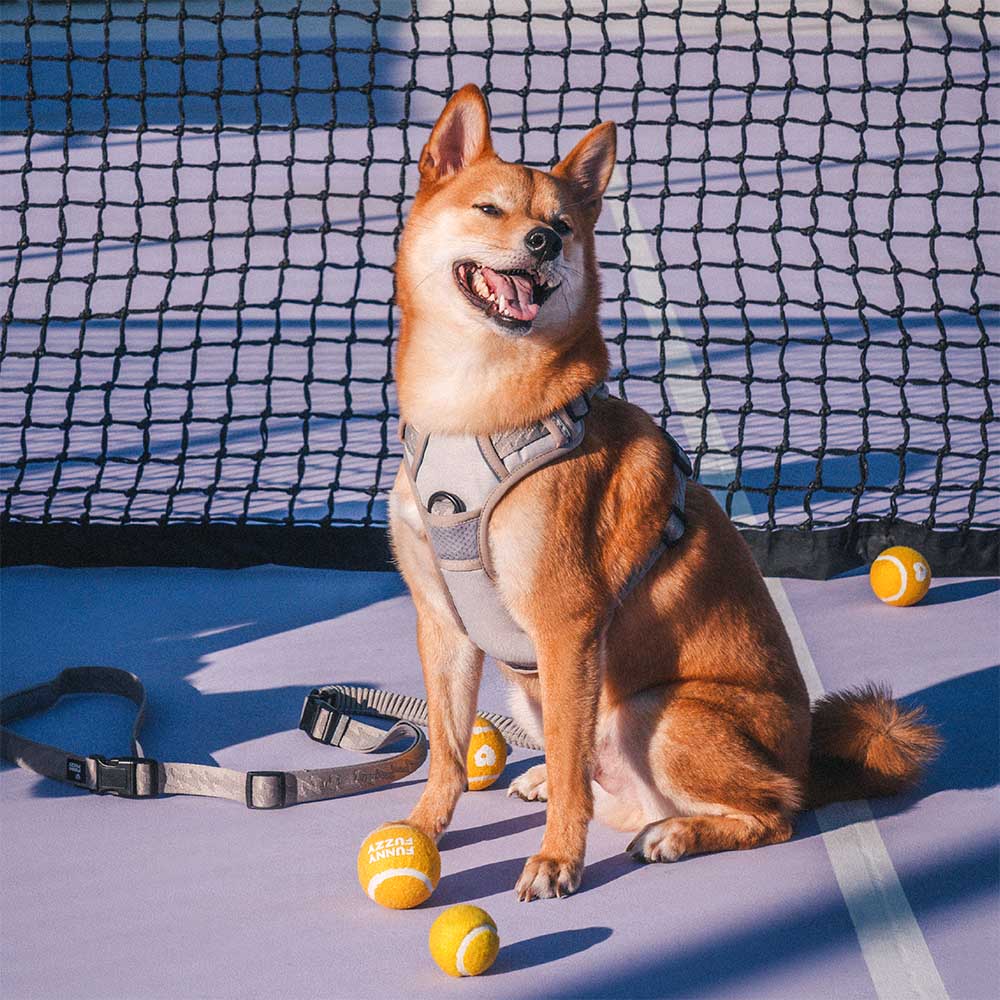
<point>458,481</point>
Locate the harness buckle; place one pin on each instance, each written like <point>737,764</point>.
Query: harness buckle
<point>681,457</point>
<point>120,776</point>
<point>278,788</point>
<point>670,535</point>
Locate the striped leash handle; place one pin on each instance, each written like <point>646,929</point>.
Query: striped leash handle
<point>354,700</point>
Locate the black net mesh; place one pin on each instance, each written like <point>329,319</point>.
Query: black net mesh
<point>202,200</point>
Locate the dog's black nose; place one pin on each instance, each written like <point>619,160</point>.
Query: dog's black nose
<point>543,242</point>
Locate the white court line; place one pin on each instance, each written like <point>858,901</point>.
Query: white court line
<point>893,946</point>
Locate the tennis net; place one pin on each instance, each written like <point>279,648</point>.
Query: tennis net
<point>201,203</point>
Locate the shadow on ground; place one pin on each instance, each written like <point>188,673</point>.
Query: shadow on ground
<point>492,831</point>
<point>966,711</point>
<point>722,961</point>
<point>960,590</point>
<point>166,626</point>
<point>547,948</point>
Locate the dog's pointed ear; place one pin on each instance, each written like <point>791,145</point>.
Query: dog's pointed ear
<point>589,165</point>
<point>460,137</point>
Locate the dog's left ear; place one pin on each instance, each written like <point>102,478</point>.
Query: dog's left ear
<point>460,137</point>
<point>589,165</point>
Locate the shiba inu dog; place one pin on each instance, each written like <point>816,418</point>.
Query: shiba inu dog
<point>676,712</point>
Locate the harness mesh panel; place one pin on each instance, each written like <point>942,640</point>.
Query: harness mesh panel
<point>202,203</point>
<point>456,541</point>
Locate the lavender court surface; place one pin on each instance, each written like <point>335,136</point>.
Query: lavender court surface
<point>201,897</point>
<point>219,264</point>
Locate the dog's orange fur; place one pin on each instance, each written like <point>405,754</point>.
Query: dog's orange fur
<point>682,711</point>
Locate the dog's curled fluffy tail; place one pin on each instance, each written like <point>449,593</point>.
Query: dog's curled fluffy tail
<point>866,745</point>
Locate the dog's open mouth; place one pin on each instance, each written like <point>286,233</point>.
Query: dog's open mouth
<point>513,298</point>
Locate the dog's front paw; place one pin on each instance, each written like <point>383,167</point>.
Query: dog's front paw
<point>530,786</point>
<point>428,823</point>
<point>665,840</point>
<point>544,877</point>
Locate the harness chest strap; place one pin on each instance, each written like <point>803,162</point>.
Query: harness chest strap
<point>458,480</point>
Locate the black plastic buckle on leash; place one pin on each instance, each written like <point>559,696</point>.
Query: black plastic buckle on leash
<point>667,538</point>
<point>120,776</point>
<point>321,720</point>
<point>278,789</point>
<point>325,718</point>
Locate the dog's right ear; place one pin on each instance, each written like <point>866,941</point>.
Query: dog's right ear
<point>460,137</point>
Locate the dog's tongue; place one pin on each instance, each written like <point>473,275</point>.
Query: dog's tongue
<point>516,289</point>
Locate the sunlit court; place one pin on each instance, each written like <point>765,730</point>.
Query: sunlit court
<point>201,204</point>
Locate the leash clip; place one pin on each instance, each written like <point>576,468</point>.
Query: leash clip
<point>120,776</point>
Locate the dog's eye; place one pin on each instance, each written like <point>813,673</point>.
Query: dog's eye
<point>488,209</point>
<point>561,226</point>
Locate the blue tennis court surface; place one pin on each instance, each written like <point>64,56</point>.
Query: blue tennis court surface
<point>201,897</point>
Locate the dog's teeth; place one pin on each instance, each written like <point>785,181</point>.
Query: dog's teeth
<point>503,303</point>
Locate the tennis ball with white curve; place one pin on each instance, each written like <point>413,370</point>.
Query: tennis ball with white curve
<point>900,576</point>
<point>464,940</point>
<point>398,866</point>
<point>487,755</point>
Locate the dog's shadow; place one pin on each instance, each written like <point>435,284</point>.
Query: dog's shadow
<point>491,831</point>
<point>497,877</point>
<point>966,711</point>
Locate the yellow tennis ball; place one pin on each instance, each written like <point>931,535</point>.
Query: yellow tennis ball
<point>398,866</point>
<point>900,576</point>
<point>487,755</point>
<point>464,940</point>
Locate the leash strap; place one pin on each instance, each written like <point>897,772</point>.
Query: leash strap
<point>140,777</point>
<point>326,707</point>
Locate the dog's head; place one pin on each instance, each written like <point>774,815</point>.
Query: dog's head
<point>501,248</point>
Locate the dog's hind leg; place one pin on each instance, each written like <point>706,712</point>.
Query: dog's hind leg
<point>526,708</point>
<point>735,785</point>
<point>532,786</point>
<point>672,839</point>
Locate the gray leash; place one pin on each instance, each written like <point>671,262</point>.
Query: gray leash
<point>327,716</point>
<point>408,708</point>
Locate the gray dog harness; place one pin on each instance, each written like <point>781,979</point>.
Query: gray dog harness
<point>459,480</point>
